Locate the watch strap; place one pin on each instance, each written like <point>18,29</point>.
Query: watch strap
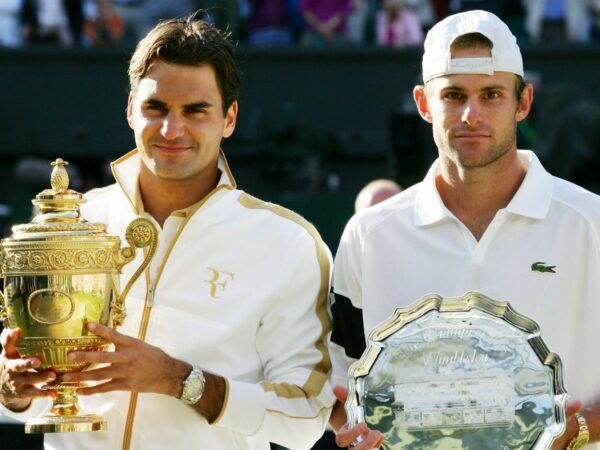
<point>583,434</point>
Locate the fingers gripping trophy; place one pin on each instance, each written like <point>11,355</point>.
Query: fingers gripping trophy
<point>59,273</point>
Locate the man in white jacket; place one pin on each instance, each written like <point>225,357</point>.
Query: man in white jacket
<point>224,344</point>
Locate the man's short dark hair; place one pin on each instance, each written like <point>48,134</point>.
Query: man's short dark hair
<point>189,41</point>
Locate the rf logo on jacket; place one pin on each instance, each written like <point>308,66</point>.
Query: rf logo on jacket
<point>218,281</point>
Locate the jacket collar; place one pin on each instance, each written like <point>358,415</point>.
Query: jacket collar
<point>126,171</point>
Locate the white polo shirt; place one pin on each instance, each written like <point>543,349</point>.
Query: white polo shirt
<point>394,253</point>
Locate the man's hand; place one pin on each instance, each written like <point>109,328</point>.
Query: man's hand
<point>359,437</point>
<point>572,428</point>
<point>19,379</point>
<point>134,365</point>
<point>137,366</point>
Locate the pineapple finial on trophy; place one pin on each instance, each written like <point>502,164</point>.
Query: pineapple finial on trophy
<point>58,203</point>
<point>59,179</point>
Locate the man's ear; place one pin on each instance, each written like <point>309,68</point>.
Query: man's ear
<point>421,102</point>
<point>525,102</point>
<point>230,120</point>
<point>130,111</point>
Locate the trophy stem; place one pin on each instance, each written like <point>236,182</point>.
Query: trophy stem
<point>65,415</point>
<point>65,403</point>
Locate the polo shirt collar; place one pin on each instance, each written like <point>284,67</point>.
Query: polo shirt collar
<point>532,199</point>
<point>535,193</point>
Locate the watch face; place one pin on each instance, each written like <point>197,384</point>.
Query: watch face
<point>582,441</point>
<point>193,387</point>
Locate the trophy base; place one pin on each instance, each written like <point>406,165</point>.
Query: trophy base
<point>63,424</point>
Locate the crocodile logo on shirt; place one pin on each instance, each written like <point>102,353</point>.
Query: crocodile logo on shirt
<point>542,267</point>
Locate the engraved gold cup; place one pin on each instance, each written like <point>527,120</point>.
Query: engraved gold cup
<point>60,272</point>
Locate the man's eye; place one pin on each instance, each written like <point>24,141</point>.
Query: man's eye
<point>197,110</point>
<point>493,94</point>
<point>155,107</point>
<point>453,96</point>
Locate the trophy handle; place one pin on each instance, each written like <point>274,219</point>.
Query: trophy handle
<point>140,233</point>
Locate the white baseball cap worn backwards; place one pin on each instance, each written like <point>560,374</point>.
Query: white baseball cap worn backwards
<point>437,58</point>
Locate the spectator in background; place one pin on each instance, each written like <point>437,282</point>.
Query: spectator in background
<point>326,21</point>
<point>52,22</point>
<point>297,22</point>
<point>105,28</point>
<point>268,23</point>
<point>594,9</point>
<point>427,12</point>
<point>510,12</point>
<point>493,6</point>
<point>397,25</point>
<point>75,18</point>
<point>157,10</point>
<point>551,21</point>
<point>10,23</point>
<point>358,20</point>
<point>133,15</point>
<point>375,192</point>
<point>440,9</point>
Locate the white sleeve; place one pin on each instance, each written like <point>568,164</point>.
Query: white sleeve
<point>291,406</point>
<point>38,407</point>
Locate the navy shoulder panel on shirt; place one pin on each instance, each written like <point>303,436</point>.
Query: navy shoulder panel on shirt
<point>348,330</point>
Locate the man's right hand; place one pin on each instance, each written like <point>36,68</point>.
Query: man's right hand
<point>18,377</point>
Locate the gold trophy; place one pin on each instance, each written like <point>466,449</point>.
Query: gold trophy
<point>60,272</point>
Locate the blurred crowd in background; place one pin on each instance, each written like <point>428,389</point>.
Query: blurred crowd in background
<point>302,156</point>
<point>281,23</point>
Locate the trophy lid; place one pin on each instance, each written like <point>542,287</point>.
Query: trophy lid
<point>58,210</point>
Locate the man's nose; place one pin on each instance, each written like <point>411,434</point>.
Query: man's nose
<point>172,126</point>
<point>472,113</point>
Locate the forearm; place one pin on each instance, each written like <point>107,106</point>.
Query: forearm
<point>213,397</point>
<point>15,404</point>
<point>592,417</point>
<point>591,413</point>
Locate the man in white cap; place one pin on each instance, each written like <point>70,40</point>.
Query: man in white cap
<point>486,218</point>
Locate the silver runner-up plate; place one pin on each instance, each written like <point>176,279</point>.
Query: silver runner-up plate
<point>464,373</point>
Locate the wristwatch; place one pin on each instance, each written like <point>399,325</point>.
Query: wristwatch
<point>193,387</point>
<point>583,435</point>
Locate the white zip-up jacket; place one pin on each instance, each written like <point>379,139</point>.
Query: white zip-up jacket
<point>237,286</point>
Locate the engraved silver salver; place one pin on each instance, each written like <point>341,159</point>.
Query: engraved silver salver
<point>466,373</point>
